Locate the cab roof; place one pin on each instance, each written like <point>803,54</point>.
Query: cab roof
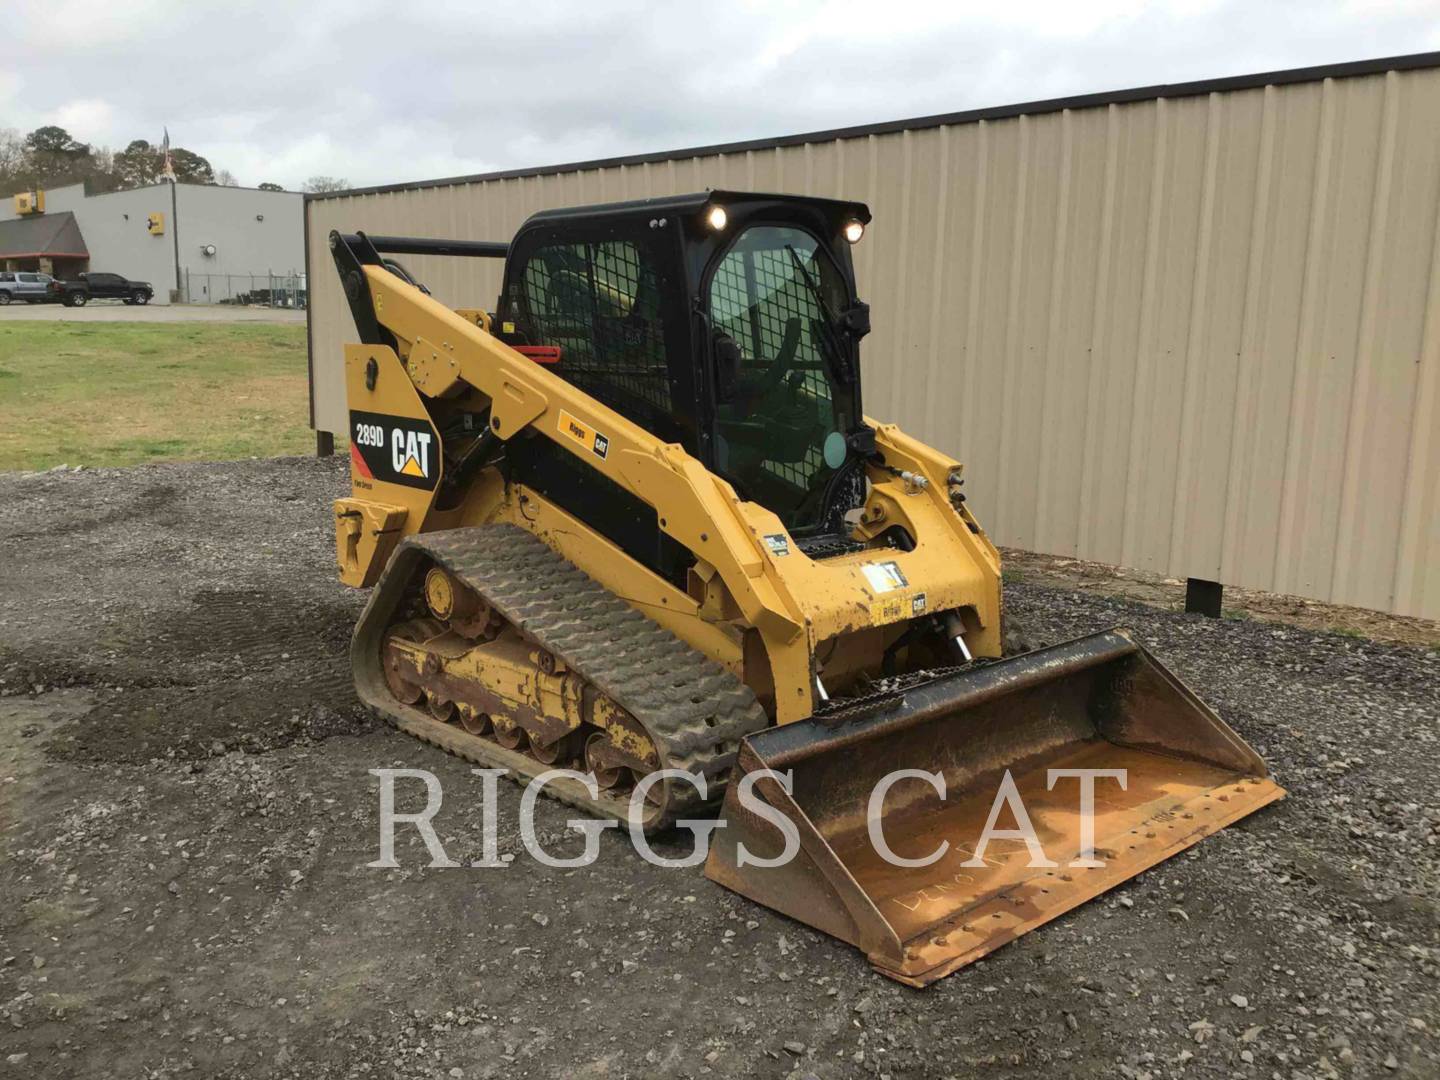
<point>694,203</point>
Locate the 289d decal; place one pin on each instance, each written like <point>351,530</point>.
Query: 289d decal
<point>395,449</point>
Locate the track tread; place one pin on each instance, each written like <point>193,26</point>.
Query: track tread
<point>695,710</point>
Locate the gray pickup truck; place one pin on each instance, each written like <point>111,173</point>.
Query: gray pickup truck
<point>33,288</point>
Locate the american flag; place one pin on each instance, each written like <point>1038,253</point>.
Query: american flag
<point>167,171</point>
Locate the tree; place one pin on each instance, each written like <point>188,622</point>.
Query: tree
<point>226,178</point>
<point>50,157</point>
<point>56,158</point>
<point>267,186</point>
<point>102,177</point>
<point>326,183</point>
<point>191,168</point>
<point>53,140</point>
<point>13,162</point>
<point>138,164</point>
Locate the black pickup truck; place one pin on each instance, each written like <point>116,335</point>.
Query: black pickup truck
<point>100,286</point>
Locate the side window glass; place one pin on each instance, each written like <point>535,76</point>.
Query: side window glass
<point>601,304</point>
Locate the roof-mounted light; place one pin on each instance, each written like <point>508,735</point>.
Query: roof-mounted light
<point>854,230</point>
<point>716,218</point>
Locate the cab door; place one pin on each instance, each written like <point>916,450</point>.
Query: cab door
<point>608,296</point>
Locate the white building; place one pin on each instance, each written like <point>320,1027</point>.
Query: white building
<point>193,242</point>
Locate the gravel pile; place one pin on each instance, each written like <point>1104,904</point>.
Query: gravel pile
<point>188,811</point>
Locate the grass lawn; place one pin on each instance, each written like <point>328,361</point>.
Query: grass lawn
<point>124,393</point>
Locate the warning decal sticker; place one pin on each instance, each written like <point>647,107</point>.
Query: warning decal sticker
<point>884,576</point>
<point>778,543</point>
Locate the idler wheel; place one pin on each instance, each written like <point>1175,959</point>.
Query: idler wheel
<point>473,720</point>
<point>608,777</point>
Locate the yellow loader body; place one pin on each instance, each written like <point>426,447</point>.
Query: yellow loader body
<point>516,619</point>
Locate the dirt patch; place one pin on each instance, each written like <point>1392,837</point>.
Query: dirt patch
<point>189,814</point>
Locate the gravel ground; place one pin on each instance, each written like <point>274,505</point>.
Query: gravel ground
<point>187,816</point>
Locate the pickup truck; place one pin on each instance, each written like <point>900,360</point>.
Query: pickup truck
<point>24,285</point>
<point>101,286</point>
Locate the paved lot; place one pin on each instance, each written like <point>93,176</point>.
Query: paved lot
<point>187,816</point>
<point>115,311</point>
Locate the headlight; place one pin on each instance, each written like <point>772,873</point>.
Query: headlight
<point>716,218</point>
<point>854,230</point>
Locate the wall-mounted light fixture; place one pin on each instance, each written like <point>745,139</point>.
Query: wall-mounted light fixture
<point>207,249</point>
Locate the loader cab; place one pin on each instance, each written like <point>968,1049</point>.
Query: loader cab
<point>726,322</point>
<point>780,331</point>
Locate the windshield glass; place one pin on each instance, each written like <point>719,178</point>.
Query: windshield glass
<point>781,433</point>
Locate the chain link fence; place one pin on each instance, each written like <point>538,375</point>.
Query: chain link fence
<point>247,290</point>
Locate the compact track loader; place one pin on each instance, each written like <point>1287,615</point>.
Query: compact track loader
<point>636,520</point>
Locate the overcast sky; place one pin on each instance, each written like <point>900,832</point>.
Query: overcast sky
<point>377,92</point>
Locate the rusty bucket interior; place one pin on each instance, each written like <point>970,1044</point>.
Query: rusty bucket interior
<point>1100,703</point>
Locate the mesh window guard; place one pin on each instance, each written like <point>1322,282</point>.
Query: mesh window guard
<point>756,293</point>
<point>600,302</point>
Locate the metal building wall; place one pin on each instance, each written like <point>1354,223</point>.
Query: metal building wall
<point>117,233</point>
<point>1195,334</point>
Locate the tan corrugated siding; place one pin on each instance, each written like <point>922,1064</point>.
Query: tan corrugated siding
<point>1195,335</point>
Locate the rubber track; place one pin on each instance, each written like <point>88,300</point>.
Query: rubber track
<point>694,709</point>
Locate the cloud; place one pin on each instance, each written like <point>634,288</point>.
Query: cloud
<point>89,120</point>
<point>10,84</point>
<point>59,27</point>
<point>359,90</point>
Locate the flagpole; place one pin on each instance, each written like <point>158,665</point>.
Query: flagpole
<point>168,173</point>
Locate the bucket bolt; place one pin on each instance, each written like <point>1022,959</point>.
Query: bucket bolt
<point>955,485</point>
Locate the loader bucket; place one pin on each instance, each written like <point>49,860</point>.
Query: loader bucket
<point>1098,702</point>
